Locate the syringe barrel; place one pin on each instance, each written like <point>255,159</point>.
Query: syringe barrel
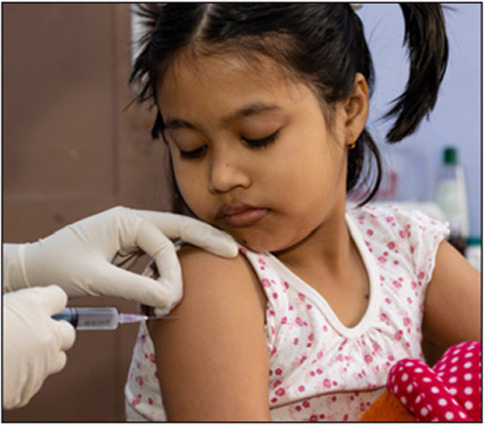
<point>90,318</point>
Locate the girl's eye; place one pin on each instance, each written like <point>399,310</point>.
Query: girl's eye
<point>257,143</point>
<point>193,154</point>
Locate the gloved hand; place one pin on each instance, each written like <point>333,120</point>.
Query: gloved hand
<point>33,342</point>
<point>82,258</point>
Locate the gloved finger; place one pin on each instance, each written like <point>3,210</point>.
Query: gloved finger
<point>131,286</point>
<point>151,272</point>
<point>164,311</point>
<point>66,334</point>
<point>58,362</point>
<point>54,299</point>
<point>175,299</point>
<point>162,250</point>
<point>193,231</point>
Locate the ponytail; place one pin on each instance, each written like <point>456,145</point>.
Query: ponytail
<point>426,39</point>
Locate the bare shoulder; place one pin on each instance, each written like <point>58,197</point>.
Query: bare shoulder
<point>217,286</point>
<point>196,259</point>
<point>212,356</point>
<point>207,275</point>
<point>219,291</point>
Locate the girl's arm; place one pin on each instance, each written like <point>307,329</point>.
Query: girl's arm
<point>213,359</point>
<point>453,301</point>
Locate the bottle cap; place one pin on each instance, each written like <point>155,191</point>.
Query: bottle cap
<point>450,156</point>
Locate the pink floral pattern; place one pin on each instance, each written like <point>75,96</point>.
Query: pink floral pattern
<point>319,369</point>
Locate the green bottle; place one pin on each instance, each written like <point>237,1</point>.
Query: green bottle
<point>451,192</point>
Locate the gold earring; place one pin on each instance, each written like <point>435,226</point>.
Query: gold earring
<point>351,146</point>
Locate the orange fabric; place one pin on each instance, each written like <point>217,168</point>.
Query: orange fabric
<point>387,408</point>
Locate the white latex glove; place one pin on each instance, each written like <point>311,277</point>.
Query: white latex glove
<point>88,257</point>
<point>34,344</point>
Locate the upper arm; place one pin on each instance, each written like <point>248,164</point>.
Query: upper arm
<point>453,302</point>
<point>213,359</point>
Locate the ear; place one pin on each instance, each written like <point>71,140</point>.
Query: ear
<point>356,110</point>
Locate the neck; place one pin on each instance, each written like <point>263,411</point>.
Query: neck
<point>330,241</point>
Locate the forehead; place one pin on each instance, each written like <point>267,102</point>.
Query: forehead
<point>211,76</point>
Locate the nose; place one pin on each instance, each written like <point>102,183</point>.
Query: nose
<point>227,172</point>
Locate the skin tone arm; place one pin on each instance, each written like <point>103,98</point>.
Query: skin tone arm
<point>213,359</point>
<point>453,302</point>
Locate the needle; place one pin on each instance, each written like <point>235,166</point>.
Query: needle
<point>163,317</point>
<point>135,318</point>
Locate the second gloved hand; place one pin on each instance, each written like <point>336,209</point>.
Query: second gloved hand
<point>88,257</point>
<point>34,343</point>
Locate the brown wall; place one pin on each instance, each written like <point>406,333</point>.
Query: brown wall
<point>71,150</point>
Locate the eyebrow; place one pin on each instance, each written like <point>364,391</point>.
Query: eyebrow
<point>246,111</point>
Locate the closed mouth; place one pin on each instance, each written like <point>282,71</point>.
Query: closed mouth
<point>241,215</point>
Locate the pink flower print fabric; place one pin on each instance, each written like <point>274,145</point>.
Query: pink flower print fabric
<point>450,392</point>
<point>143,400</point>
<point>320,370</point>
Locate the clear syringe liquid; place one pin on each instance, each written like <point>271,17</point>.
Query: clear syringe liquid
<point>97,318</point>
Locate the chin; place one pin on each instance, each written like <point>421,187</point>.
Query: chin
<point>259,244</point>
<point>251,243</point>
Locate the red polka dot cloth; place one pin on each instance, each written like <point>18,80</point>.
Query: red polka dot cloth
<point>451,391</point>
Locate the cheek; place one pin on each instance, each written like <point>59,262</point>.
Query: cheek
<point>307,180</point>
<point>299,171</point>
<point>190,182</point>
<point>193,194</point>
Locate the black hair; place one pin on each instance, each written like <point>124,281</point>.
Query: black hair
<point>322,44</point>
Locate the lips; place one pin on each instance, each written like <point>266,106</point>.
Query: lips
<point>240,214</point>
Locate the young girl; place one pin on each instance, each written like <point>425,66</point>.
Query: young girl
<point>263,107</point>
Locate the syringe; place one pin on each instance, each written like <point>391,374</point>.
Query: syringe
<point>97,318</point>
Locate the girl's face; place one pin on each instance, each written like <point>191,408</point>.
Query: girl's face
<point>251,150</point>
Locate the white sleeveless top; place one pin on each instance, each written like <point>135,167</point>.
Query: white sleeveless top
<point>321,370</point>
